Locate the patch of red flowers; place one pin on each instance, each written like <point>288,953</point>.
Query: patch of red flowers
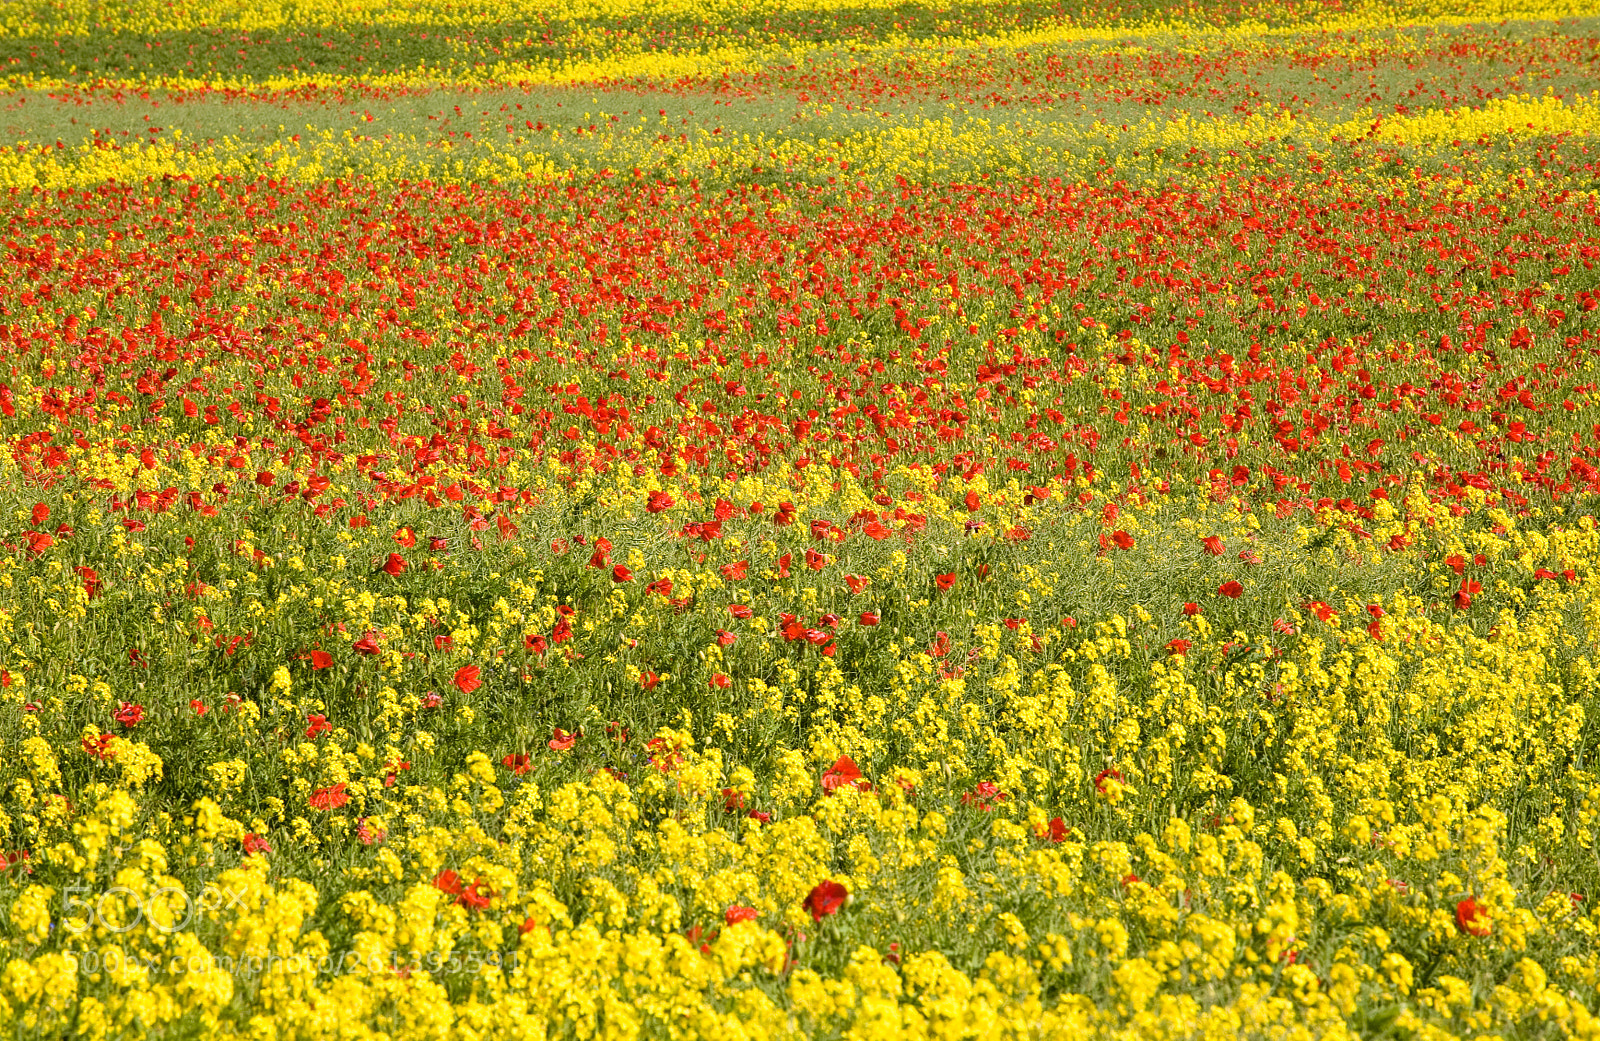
<point>826,898</point>
<point>1472,918</point>
<point>844,774</point>
<point>329,798</point>
<point>473,896</point>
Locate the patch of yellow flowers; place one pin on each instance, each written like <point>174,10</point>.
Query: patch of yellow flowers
<point>1324,908</point>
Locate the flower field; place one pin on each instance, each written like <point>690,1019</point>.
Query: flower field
<point>794,519</point>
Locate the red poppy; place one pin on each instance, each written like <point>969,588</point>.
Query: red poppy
<point>467,679</point>
<point>783,565</point>
<point>1213,545</point>
<point>316,727</point>
<point>1177,647</point>
<point>1473,918</point>
<point>740,611</point>
<point>395,564</point>
<point>1191,609</point>
<point>91,580</point>
<point>321,660</point>
<point>1231,589</point>
<point>621,574</point>
<point>474,897</point>
<point>648,680</point>
<point>946,580</point>
<point>1122,539</point>
<point>254,843</point>
<point>1054,831</point>
<point>985,796</point>
<point>1105,775</point>
<point>561,741</point>
<point>198,706</point>
<point>844,773</point>
<point>869,618</point>
<point>735,571</point>
<point>517,762</point>
<point>827,898</point>
<point>405,538</point>
<point>876,531</point>
<point>705,531</point>
<point>394,767</point>
<point>720,680</point>
<point>100,746</point>
<point>368,644</point>
<point>736,914</point>
<point>41,513</point>
<point>329,798</point>
<point>659,502</point>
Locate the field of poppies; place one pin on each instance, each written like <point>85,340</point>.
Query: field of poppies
<point>791,519</point>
